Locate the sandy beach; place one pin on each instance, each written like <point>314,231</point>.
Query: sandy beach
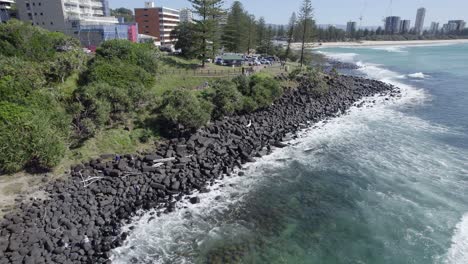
<point>380,43</point>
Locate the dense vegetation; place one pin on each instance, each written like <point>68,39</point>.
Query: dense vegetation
<point>44,113</point>
<point>34,124</point>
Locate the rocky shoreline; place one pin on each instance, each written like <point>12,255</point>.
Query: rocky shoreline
<point>82,219</point>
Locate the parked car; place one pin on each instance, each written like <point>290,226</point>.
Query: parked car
<point>219,61</point>
<point>255,63</point>
<point>265,62</point>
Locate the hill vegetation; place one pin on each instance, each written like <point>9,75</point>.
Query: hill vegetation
<point>56,100</point>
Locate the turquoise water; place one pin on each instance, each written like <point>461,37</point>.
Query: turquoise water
<point>386,183</point>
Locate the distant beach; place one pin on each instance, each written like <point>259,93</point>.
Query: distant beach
<point>380,43</point>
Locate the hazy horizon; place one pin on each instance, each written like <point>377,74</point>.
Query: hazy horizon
<point>326,11</point>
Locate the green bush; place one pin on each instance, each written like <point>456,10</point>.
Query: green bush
<point>28,138</point>
<point>144,55</point>
<point>119,74</point>
<point>319,85</point>
<point>226,98</point>
<point>181,107</point>
<point>265,89</point>
<point>243,85</point>
<point>18,39</point>
<point>30,74</point>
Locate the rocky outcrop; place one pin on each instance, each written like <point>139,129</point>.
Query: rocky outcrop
<point>81,221</point>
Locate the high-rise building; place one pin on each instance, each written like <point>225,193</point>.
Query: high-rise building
<point>450,27</point>
<point>186,15</point>
<point>420,16</point>
<point>434,27</point>
<point>405,26</point>
<point>5,9</point>
<point>460,24</point>
<point>351,27</point>
<point>157,22</point>
<point>392,25</point>
<point>66,16</point>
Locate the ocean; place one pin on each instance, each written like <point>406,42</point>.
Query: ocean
<point>385,183</point>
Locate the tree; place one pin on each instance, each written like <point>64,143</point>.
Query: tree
<point>127,14</point>
<point>252,33</point>
<point>291,27</point>
<point>205,25</point>
<point>217,13</point>
<point>261,31</point>
<point>281,31</point>
<point>306,17</point>
<point>186,41</point>
<point>236,31</point>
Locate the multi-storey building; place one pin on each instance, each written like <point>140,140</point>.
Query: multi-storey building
<point>460,24</point>
<point>5,7</point>
<point>186,15</point>
<point>351,27</point>
<point>66,16</point>
<point>392,25</point>
<point>405,26</point>
<point>158,22</point>
<point>420,16</point>
<point>434,27</point>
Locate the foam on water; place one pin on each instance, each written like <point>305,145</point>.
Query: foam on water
<point>344,57</point>
<point>418,75</point>
<point>458,252</point>
<point>394,49</point>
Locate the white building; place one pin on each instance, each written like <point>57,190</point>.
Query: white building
<point>65,16</point>
<point>5,7</point>
<point>420,16</point>
<point>186,15</point>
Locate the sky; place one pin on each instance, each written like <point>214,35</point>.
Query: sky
<point>336,11</point>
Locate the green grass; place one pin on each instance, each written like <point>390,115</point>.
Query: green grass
<point>112,141</point>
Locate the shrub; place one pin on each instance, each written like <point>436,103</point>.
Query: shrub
<point>265,89</point>
<point>117,73</point>
<point>18,39</point>
<point>28,138</point>
<point>27,74</point>
<point>143,55</point>
<point>65,64</point>
<point>242,83</point>
<point>319,86</point>
<point>226,99</point>
<point>248,104</point>
<point>182,107</point>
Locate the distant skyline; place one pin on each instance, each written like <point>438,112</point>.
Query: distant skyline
<point>336,11</point>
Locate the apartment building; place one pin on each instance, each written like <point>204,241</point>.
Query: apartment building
<point>405,26</point>
<point>66,16</point>
<point>186,15</point>
<point>5,7</point>
<point>420,16</point>
<point>392,25</point>
<point>158,22</point>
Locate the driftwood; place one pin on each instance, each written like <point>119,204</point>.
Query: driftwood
<point>163,160</point>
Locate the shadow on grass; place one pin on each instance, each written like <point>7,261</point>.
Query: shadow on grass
<point>173,62</point>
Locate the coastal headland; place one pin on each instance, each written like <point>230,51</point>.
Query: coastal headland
<point>81,220</point>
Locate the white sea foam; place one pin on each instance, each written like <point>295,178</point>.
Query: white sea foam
<point>344,57</point>
<point>458,252</point>
<point>394,49</point>
<point>418,75</point>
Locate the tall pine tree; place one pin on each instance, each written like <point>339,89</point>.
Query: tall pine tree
<point>306,16</point>
<point>291,27</point>
<point>205,25</point>
<point>236,32</point>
